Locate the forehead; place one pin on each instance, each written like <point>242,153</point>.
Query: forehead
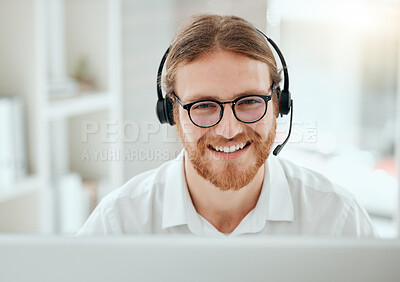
<point>222,75</point>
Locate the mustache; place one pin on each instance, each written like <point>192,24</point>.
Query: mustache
<point>249,135</point>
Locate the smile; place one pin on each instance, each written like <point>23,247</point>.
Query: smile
<point>230,149</point>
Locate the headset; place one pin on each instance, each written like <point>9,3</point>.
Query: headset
<point>164,107</point>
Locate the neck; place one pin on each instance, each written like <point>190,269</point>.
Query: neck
<point>223,209</point>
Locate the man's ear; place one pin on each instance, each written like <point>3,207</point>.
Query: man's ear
<point>173,108</point>
<point>276,95</point>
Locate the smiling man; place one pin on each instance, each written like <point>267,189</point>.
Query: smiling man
<point>222,87</point>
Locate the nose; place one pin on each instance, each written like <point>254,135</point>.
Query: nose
<point>229,126</point>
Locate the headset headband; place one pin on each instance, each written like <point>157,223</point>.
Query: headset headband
<point>283,62</point>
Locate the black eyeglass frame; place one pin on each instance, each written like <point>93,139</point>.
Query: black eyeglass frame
<point>188,106</point>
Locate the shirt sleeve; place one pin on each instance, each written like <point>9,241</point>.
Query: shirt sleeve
<point>357,223</point>
<point>100,222</point>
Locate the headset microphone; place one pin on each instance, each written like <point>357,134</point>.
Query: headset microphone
<point>164,107</point>
<point>280,147</point>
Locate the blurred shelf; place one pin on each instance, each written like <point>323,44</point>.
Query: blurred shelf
<point>24,187</point>
<point>54,41</point>
<point>77,105</point>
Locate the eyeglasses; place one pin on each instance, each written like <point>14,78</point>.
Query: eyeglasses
<point>208,112</point>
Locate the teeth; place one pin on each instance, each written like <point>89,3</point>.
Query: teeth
<point>230,149</point>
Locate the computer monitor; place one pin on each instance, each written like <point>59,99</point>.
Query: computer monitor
<point>178,258</point>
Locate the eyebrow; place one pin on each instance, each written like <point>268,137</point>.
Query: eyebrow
<point>204,96</point>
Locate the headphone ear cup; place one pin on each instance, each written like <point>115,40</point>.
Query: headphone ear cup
<point>285,103</point>
<point>169,108</point>
<point>165,111</point>
<point>160,110</point>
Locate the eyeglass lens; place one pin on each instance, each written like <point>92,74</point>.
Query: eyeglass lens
<point>247,109</point>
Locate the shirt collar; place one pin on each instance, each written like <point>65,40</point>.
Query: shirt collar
<point>280,203</point>
<point>275,201</point>
<point>174,206</point>
<point>178,208</point>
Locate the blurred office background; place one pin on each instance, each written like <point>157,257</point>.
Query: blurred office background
<point>78,95</point>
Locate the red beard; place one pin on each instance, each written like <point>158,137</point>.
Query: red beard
<point>232,174</point>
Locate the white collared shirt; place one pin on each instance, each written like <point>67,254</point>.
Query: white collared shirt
<point>293,200</point>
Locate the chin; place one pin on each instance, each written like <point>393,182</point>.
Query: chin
<point>227,175</point>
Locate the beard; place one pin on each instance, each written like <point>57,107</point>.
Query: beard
<point>229,175</point>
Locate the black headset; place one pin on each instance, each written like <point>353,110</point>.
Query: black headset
<point>164,107</point>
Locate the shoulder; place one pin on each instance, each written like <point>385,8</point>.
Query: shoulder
<point>321,201</point>
<point>142,184</point>
<point>300,177</point>
<point>135,207</point>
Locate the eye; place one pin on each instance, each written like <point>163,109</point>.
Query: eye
<point>250,101</point>
<point>204,106</point>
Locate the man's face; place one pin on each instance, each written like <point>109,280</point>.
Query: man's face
<point>224,76</point>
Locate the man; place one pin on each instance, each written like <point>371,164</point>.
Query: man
<point>222,79</point>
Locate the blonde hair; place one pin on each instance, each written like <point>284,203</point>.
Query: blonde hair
<point>202,34</point>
